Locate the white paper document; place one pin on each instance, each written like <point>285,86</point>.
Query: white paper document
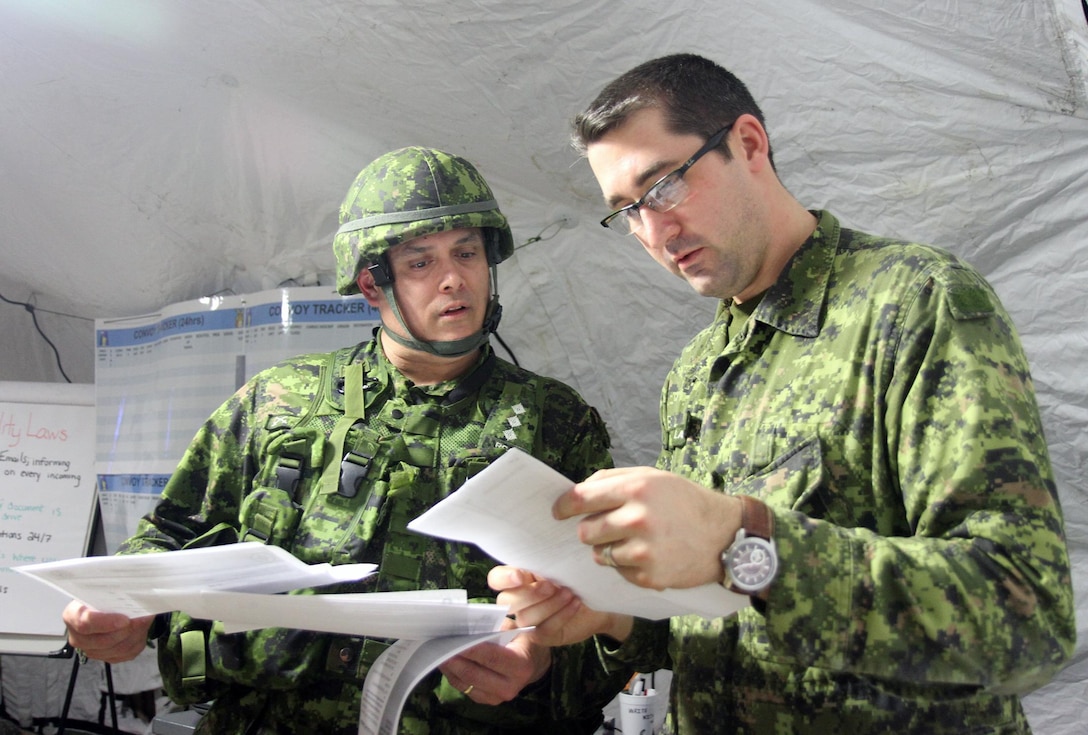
<point>403,665</point>
<point>417,615</point>
<point>134,585</point>
<point>235,584</point>
<point>506,510</point>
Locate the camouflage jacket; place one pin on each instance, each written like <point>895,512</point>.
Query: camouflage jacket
<point>405,447</point>
<point>878,399</point>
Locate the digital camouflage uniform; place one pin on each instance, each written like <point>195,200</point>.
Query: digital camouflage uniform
<point>418,445</point>
<point>879,401</point>
<point>330,456</point>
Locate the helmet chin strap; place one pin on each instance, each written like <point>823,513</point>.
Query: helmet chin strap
<point>447,348</point>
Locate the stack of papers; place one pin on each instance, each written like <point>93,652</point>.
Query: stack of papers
<point>235,584</point>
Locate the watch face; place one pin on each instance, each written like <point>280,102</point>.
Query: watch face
<point>752,564</point>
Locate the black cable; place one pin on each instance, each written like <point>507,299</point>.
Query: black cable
<point>513,357</point>
<point>34,317</point>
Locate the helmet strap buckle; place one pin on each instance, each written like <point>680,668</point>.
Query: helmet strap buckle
<point>380,272</point>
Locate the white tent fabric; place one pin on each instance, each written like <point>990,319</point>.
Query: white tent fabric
<point>154,151</point>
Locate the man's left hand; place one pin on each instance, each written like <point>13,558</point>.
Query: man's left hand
<point>493,674</point>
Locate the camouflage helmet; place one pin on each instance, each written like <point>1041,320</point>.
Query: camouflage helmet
<point>409,193</point>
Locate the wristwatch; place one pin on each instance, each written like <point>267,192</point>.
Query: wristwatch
<point>751,562</point>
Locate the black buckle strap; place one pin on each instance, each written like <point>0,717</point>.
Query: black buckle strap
<point>353,470</point>
<point>289,472</point>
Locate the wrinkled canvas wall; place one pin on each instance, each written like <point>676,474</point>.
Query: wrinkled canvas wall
<point>155,152</point>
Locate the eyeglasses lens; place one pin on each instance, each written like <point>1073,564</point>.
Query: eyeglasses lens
<point>663,196</point>
<point>668,193</point>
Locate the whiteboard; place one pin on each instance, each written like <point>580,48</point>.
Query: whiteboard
<point>48,499</point>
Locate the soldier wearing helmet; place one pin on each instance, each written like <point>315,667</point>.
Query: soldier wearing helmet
<point>409,194</point>
<point>331,455</point>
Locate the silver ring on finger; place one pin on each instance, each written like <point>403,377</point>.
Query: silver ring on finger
<point>606,552</point>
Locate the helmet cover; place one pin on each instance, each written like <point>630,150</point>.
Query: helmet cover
<point>409,193</point>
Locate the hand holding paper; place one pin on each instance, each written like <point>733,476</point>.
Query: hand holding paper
<point>506,511</point>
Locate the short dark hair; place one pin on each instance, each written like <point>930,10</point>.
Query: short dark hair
<point>697,96</point>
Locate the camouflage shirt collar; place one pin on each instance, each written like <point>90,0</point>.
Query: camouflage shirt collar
<point>796,300</point>
<point>385,374</point>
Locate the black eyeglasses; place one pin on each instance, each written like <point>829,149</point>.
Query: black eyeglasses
<point>665,194</point>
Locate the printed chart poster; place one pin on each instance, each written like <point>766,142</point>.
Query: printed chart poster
<point>47,503</point>
<point>158,377</point>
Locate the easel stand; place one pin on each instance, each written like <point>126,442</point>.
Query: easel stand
<point>62,724</point>
<point>110,698</point>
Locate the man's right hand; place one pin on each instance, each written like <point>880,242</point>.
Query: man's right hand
<point>558,614</point>
<point>109,637</point>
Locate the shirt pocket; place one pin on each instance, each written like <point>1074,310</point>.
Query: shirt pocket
<point>794,475</point>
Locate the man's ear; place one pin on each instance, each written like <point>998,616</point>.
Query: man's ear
<point>368,288</point>
<point>751,141</point>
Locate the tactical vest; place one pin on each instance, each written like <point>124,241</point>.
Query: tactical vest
<point>340,484</point>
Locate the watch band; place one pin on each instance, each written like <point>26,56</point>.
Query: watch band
<point>756,518</point>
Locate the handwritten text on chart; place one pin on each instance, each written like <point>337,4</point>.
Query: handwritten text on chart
<point>13,430</point>
<point>24,543</point>
<point>35,469</point>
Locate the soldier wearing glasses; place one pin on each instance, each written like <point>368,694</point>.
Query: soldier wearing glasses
<point>854,442</point>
